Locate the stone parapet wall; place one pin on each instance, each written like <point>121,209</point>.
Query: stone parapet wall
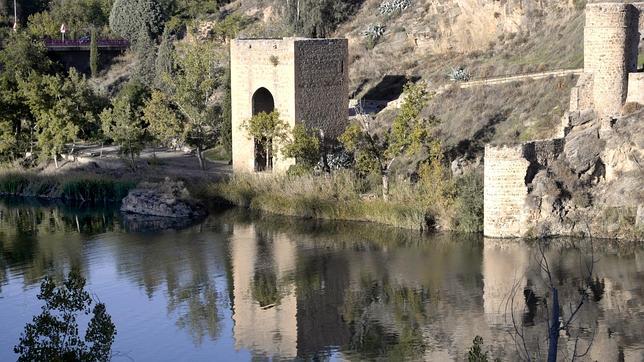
<point>635,88</point>
<point>581,95</point>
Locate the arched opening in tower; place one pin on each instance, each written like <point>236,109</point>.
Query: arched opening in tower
<point>263,102</point>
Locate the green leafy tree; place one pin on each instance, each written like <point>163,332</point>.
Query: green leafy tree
<point>304,146</point>
<point>93,54</point>
<point>80,16</point>
<point>229,27</point>
<point>227,116</point>
<point>146,53</point>
<point>164,62</point>
<point>122,124</point>
<point>130,18</point>
<point>65,109</point>
<point>408,134</point>
<point>53,334</point>
<point>8,140</point>
<point>269,131</point>
<point>197,75</point>
<point>164,124</point>
<point>318,18</point>
<point>20,56</point>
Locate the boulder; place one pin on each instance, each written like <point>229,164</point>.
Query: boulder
<point>582,149</point>
<point>166,199</point>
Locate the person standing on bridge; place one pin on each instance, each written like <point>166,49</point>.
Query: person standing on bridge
<point>63,30</point>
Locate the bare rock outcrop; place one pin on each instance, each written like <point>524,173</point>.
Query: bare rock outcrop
<point>168,199</point>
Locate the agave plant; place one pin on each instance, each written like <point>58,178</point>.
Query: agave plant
<point>374,31</point>
<point>459,74</point>
<point>389,7</point>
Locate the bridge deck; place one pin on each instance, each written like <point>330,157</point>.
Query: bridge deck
<point>80,45</point>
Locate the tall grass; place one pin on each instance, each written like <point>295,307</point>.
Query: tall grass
<point>339,196</point>
<point>69,187</point>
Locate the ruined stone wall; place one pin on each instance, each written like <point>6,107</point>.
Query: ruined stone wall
<point>611,39</point>
<point>635,88</point>
<point>505,191</point>
<point>322,84</point>
<point>510,210</point>
<point>307,79</point>
<point>581,95</point>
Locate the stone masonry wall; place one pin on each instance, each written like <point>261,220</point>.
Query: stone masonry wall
<point>635,88</point>
<point>251,69</point>
<point>510,210</point>
<point>322,84</point>
<point>505,191</point>
<point>308,79</point>
<point>611,39</point>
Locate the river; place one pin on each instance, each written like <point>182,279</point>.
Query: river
<point>240,286</point>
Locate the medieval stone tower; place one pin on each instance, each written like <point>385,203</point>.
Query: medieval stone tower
<point>305,80</point>
<point>611,39</point>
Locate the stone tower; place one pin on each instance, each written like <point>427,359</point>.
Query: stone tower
<point>305,80</point>
<point>611,39</point>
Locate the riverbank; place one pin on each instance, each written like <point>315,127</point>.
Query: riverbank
<point>452,205</point>
<point>72,187</point>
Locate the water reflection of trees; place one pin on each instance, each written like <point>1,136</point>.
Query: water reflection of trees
<point>181,265</point>
<point>38,236</point>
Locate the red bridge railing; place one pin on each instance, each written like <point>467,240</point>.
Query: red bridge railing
<point>117,43</point>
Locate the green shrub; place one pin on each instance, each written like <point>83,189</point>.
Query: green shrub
<point>79,188</point>
<point>469,203</point>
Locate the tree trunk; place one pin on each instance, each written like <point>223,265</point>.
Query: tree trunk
<point>200,158</point>
<point>385,186</point>
<point>56,160</point>
<point>101,155</point>
<point>553,333</point>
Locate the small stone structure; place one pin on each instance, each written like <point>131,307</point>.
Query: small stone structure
<point>524,184</point>
<point>305,80</point>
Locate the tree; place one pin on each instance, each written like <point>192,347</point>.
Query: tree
<point>53,335</point>
<point>304,146</point>
<point>269,132</point>
<point>196,77</point>
<point>318,18</point>
<point>64,109</point>
<point>408,134</point>
<point>163,121</point>
<point>227,116</point>
<point>122,124</point>
<point>20,56</point>
<point>164,62</point>
<point>8,140</point>
<point>93,54</point>
<point>129,18</point>
<point>229,27</point>
<point>146,53</point>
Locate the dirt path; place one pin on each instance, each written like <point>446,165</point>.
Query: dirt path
<point>152,164</point>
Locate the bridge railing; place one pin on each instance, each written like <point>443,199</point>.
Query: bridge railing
<point>52,43</point>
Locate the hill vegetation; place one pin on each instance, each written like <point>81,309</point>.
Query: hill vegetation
<point>172,86</point>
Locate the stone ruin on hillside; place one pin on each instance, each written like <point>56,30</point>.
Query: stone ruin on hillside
<point>305,80</point>
<point>565,185</point>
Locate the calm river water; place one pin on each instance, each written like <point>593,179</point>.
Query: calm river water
<point>237,287</point>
